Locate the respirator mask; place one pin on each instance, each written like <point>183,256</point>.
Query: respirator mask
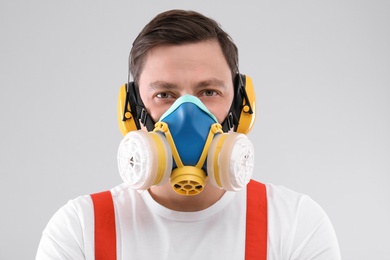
<point>187,146</point>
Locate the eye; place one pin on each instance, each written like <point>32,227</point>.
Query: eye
<point>164,95</point>
<point>209,93</point>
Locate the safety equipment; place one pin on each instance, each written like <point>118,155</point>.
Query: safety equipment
<point>192,136</point>
<point>241,116</point>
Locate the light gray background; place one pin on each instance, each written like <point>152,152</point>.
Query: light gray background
<point>321,73</point>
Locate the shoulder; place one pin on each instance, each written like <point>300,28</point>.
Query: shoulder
<point>298,221</point>
<point>77,213</point>
<point>70,231</point>
<point>284,203</point>
<point>282,197</point>
<point>64,235</point>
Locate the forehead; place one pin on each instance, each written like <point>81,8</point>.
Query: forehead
<point>203,59</point>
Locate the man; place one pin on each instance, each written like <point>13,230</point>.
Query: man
<point>185,54</point>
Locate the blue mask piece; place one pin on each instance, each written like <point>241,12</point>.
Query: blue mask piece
<point>189,122</point>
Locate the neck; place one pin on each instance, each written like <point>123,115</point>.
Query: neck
<point>168,198</point>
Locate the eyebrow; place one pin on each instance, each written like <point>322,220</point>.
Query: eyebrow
<point>159,84</point>
<point>211,82</point>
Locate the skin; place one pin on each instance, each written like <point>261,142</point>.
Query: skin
<point>171,71</point>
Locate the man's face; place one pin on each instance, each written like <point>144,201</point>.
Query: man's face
<point>198,69</point>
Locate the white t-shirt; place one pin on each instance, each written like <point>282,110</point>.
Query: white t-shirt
<point>297,228</point>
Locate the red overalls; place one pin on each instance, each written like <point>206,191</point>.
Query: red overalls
<point>256,224</point>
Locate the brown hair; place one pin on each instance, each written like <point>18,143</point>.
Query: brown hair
<point>180,27</point>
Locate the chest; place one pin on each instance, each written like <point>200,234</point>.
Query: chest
<point>238,231</point>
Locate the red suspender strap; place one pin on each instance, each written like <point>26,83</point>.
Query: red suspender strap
<point>256,222</point>
<point>105,235</point>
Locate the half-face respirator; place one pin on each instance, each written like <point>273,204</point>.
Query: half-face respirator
<point>187,146</point>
